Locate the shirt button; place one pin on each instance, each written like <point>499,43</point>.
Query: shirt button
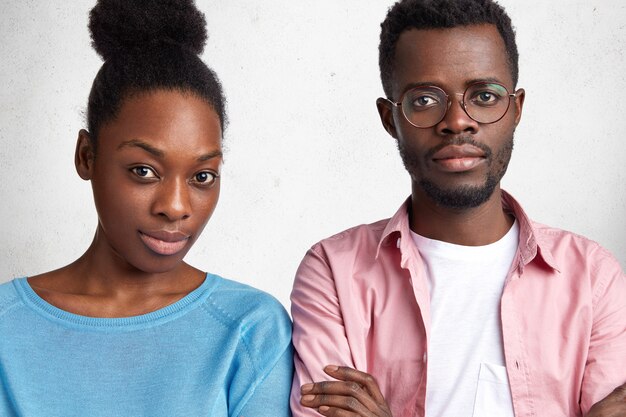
<point>424,357</point>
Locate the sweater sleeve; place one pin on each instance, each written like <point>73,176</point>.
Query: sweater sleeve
<point>262,368</point>
<point>271,397</point>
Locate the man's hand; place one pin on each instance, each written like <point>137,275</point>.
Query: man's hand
<point>354,394</point>
<point>614,405</point>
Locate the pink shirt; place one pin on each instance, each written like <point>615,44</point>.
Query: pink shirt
<point>360,299</point>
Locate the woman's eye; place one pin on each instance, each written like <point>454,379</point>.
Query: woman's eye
<point>205,177</point>
<point>144,172</point>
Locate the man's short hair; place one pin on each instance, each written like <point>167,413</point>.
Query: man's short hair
<point>439,14</point>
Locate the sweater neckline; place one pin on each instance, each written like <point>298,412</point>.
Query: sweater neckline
<point>167,313</point>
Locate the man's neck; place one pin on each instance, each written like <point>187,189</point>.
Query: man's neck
<point>476,226</point>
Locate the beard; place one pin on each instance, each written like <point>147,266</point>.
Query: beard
<point>463,196</point>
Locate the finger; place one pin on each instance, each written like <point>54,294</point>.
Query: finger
<point>336,412</point>
<point>344,373</point>
<point>348,389</point>
<point>336,405</point>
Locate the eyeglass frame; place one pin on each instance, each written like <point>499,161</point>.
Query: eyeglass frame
<point>449,102</point>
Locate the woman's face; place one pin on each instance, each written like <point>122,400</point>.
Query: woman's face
<point>155,178</point>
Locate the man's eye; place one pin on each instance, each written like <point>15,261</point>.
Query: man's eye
<point>144,172</point>
<point>423,101</point>
<point>205,177</point>
<point>485,97</point>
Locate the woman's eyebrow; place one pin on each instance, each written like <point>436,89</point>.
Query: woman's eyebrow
<point>143,145</point>
<point>159,153</point>
<point>210,155</point>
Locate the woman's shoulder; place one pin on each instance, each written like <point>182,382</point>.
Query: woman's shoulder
<point>255,318</point>
<point>240,304</point>
<point>8,295</point>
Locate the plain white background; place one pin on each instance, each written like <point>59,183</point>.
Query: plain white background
<point>306,154</point>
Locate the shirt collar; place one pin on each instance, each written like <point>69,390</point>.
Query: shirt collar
<point>530,243</point>
<point>397,227</point>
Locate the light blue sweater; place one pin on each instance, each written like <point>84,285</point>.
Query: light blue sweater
<point>223,350</point>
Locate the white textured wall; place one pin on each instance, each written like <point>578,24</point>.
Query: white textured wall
<point>307,156</point>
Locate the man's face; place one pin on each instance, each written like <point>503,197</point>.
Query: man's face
<point>457,163</point>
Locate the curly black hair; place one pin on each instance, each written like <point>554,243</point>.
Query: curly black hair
<point>438,14</point>
<point>148,45</point>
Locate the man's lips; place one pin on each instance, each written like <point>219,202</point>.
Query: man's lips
<point>459,151</point>
<point>164,242</point>
<point>458,158</point>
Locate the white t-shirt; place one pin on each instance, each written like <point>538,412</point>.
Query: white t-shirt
<point>466,369</point>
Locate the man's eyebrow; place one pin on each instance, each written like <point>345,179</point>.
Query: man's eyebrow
<point>468,82</point>
<point>139,144</point>
<point>484,80</point>
<point>420,84</point>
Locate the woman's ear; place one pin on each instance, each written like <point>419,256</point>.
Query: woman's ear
<point>84,155</point>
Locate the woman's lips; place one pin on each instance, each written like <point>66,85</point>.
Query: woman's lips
<point>164,242</point>
<point>458,158</point>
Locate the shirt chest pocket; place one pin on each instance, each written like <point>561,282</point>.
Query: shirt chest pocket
<point>493,394</point>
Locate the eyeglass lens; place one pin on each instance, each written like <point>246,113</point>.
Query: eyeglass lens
<point>483,102</point>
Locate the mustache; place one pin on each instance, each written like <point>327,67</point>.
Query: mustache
<point>460,140</point>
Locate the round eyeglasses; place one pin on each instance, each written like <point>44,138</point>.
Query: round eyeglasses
<point>483,102</point>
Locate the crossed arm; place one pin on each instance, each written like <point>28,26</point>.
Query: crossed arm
<point>356,393</point>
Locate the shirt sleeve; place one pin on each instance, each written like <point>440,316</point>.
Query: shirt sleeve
<point>605,368</point>
<point>319,335</point>
<point>271,397</point>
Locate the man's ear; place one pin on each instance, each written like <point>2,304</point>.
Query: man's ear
<point>385,111</point>
<point>520,95</point>
<point>84,155</point>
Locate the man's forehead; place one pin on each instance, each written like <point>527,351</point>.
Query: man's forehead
<point>486,33</point>
<point>455,55</point>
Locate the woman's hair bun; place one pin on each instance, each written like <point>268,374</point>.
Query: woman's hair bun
<point>119,27</point>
